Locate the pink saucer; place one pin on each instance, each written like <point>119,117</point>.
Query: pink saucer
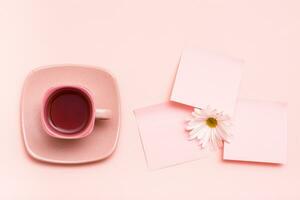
<point>99,145</point>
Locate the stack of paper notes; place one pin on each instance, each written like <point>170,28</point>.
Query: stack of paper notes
<point>207,79</point>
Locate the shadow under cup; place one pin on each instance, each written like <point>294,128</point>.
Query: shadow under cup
<point>68,111</point>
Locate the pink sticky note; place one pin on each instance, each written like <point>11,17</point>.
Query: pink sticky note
<point>162,131</point>
<point>206,79</point>
<point>260,132</point>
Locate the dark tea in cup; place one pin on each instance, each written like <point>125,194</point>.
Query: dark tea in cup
<point>69,112</point>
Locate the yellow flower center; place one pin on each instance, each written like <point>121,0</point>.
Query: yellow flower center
<point>211,122</point>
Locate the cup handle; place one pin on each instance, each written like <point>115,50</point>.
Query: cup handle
<point>103,114</point>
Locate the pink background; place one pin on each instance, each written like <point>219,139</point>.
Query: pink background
<point>140,42</point>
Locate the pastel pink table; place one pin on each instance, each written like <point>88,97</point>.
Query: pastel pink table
<point>141,42</point>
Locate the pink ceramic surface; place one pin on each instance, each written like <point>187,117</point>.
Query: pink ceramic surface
<point>102,141</point>
<point>102,113</point>
<point>260,132</point>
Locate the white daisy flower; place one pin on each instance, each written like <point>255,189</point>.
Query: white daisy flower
<point>209,127</point>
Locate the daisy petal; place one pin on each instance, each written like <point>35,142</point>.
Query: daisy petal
<point>222,133</point>
<point>198,111</point>
<point>226,130</point>
<point>224,117</point>
<point>195,132</point>
<point>206,138</point>
<point>195,122</point>
<point>219,139</point>
<point>202,134</point>
<point>193,126</point>
<point>214,139</point>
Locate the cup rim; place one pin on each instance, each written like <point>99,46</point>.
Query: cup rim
<point>55,133</point>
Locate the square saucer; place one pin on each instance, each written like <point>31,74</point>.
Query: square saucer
<point>97,146</point>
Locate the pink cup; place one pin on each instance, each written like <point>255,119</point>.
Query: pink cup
<point>68,112</point>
